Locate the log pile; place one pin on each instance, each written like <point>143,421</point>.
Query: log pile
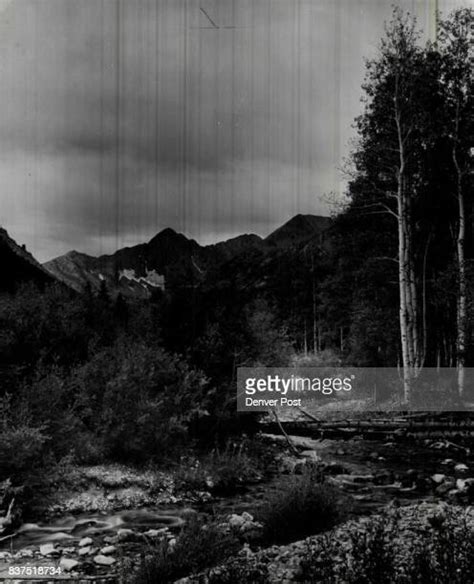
<point>418,426</point>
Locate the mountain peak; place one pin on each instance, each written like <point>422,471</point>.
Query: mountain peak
<point>168,234</point>
<point>299,228</point>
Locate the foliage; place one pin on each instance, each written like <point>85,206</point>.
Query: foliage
<point>302,506</point>
<point>441,551</point>
<point>222,471</point>
<point>247,571</point>
<point>200,545</point>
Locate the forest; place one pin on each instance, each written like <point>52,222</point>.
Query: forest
<point>96,378</point>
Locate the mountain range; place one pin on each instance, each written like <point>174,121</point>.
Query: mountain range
<point>19,266</point>
<point>169,259</point>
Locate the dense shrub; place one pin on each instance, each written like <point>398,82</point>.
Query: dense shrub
<point>22,442</point>
<point>249,571</point>
<point>200,545</point>
<point>222,471</point>
<point>304,505</point>
<point>436,552</point>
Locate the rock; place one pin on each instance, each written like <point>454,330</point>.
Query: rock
<point>236,520</point>
<point>447,462</point>
<point>84,550</point>
<point>48,549</point>
<point>154,533</point>
<point>362,479</point>
<point>67,564</point>
<point>461,469</point>
<point>438,478</point>
<point>246,516</point>
<point>104,560</point>
<point>445,487</point>
<point>465,484</point>
<point>108,550</point>
<point>126,535</point>
<point>454,495</point>
<point>85,541</point>
<point>27,553</point>
<point>172,542</point>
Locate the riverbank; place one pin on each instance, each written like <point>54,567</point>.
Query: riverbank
<point>101,518</point>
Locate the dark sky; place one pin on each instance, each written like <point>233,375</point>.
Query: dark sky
<point>215,117</point>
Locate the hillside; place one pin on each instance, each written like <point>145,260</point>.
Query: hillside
<point>19,266</point>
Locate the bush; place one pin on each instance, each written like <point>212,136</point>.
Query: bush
<point>200,545</point>
<point>22,444</point>
<point>301,507</point>
<point>441,552</point>
<point>246,571</point>
<point>222,472</point>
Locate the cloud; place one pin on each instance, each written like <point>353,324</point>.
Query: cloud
<point>120,118</point>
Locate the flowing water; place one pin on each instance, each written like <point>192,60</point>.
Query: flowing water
<point>72,528</point>
<point>358,457</point>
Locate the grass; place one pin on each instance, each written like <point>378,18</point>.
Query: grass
<point>303,505</point>
<point>200,545</point>
<point>222,472</point>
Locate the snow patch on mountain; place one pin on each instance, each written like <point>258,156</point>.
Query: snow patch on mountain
<point>152,278</point>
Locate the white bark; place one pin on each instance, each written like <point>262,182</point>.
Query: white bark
<point>462,284</point>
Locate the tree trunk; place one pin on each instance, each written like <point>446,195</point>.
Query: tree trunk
<point>462,284</point>
<point>403,287</point>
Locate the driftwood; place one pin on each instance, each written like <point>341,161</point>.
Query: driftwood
<point>287,438</point>
<point>410,426</point>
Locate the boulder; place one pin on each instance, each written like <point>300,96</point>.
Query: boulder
<point>126,535</point>
<point>68,564</point>
<point>461,469</point>
<point>104,560</point>
<point>85,541</point>
<point>27,553</point>
<point>448,462</point>
<point>154,533</point>
<point>108,550</point>
<point>236,521</point>
<point>48,549</point>
<point>438,478</point>
<point>445,487</point>
<point>84,551</point>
